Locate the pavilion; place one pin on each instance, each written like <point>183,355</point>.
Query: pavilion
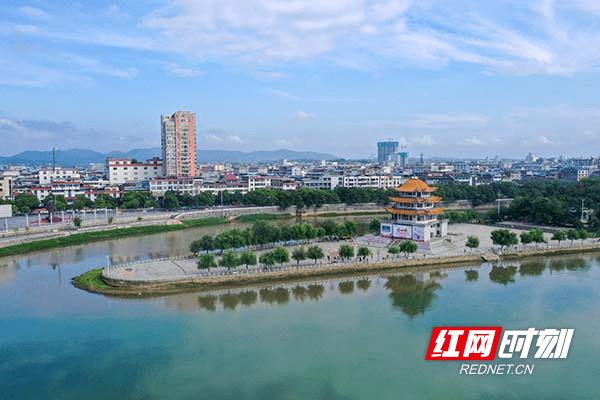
<point>414,213</point>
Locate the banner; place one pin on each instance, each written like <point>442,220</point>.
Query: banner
<point>402,231</point>
<point>418,233</point>
<point>386,230</point>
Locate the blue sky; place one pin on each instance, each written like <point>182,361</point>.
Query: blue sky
<point>446,78</point>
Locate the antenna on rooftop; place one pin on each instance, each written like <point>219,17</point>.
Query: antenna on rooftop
<point>53,159</point>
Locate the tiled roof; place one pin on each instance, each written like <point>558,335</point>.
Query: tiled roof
<point>415,185</point>
<point>415,212</point>
<point>431,199</point>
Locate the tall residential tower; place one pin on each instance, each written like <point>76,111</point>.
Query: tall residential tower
<point>178,134</point>
<point>385,150</point>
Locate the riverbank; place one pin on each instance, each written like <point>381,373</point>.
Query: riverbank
<point>95,282</point>
<point>118,231</point>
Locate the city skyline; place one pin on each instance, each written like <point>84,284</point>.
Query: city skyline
<point>442,78</point>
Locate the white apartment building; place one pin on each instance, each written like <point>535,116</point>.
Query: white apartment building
<point>123,170</point>
<point>48,175</point>
<point>192,186</point>
<point>325,181</point>
<point>5,186</point>
<point>374,181</point>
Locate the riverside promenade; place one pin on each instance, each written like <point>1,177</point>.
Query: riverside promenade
<point>170,272</point>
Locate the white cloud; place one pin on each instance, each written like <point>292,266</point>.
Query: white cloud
<point>271,75</point>
<point>439,121</point>
<point>527,37</point>
<point>473,141</point>
<point>214,138</point>
<point>282,94</point>
<point>303,115</point>
<point>184,72</point>
<point>33,12</point>
<point>426,140</point>
<point>543,140</point>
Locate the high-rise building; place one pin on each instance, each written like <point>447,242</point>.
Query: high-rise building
<point>385,150</point>
<point>179,144</point>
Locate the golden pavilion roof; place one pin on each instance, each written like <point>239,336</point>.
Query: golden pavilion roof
<point>415,185</point>
<point>432,211</point>
<point>432,199</point>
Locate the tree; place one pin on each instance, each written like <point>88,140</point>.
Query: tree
<point>207,261</point>
<point>375,225</point>
<point>526,238</point>
<point>572,235</point>
<point>559,236</point>
<point>537,236</point>
<point>207,242</point>
<point>472,242</point>
<point>350,227</point>
<point>408,247</point>
<point>267,259</point>
<point>195,246</point>
<point>25,202</point>
<point>280,255</point>
<point>583,234</point>
<point>299,254</point>
<point>504,237</point>
<point>77,222</point>
<point>229,260</point>
<point>248,258</point>
<point>363,252</point>
<point>81,202</point>
<point>330,227</point>
<point>346,251</point>
<point>393,250</point>
<point>170,201</point>
<point>315,253</point>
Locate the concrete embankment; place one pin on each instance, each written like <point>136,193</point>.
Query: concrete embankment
<point>132,287</point>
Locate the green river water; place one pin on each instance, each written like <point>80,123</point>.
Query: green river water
<point>347,338</point>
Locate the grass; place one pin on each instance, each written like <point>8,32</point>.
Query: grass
<point>91,280</point>
<point>262,217</point>
<point>345,214</point>
<point>84,238</point>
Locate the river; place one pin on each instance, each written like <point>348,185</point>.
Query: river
<point>349,338</point>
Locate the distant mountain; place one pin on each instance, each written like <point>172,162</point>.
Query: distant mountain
<point>83,157</point>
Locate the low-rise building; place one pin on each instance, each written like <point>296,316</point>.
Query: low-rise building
<point>124,170</point>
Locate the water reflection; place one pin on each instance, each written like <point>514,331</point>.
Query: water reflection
<point>248,298</point>
<point>280,295</point>
<point>363,284</point>
<point>503,275</point>
<point>410,296</point>
<point>208,302</point>
<point>346,287</point>
<point>300,293</point>
<point>472,275</point>
<point>532,268</point>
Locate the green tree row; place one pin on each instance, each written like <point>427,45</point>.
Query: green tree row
<point>301,198</point>
<point>261,233</point>
<point>505,238</point>
<point>556,203</point>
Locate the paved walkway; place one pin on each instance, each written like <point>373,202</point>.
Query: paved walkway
<point>185,268</point>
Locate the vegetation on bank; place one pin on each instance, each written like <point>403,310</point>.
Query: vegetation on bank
<point>551,203</point>
<point>506,238</point>
<point>91,280</point>
<point>301,198</point>
<point>262,233</point>
<point>261,217</point>
<point>83,238</point>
